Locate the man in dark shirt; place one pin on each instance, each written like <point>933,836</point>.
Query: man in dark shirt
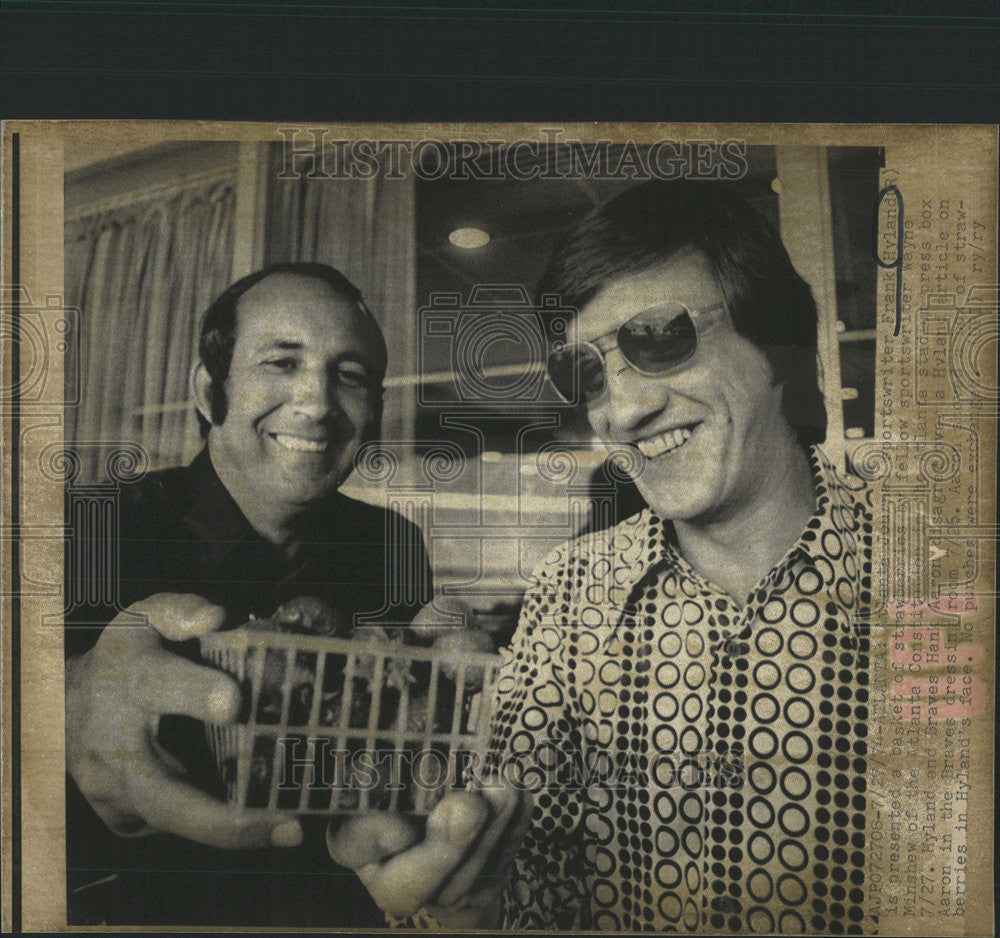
<point>288,389</point>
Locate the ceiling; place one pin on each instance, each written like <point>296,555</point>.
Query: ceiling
<point>525,219</point>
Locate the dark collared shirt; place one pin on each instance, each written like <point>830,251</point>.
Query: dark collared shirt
<point>180,531</point>
<point>698,766</point>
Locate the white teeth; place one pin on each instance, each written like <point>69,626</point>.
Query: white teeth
<point>299,444</point>
<point>664,443</point>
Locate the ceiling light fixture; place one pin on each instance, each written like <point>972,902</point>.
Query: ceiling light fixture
<point>469,238</point>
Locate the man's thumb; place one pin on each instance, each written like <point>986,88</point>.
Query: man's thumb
<point>369,838</point>
<point>180,616</point>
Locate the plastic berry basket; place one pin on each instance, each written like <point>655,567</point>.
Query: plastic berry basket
<point>341,726</point>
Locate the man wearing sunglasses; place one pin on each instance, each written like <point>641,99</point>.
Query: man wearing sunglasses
<point>686,699</point>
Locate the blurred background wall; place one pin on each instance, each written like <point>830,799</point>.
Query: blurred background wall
<point>154,234</point>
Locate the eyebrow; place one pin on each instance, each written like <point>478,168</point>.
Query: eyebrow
<point>283,344</point>
<point>356,359</point>
<point>290,345</point>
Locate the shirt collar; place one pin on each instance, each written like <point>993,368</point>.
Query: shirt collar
<point>837,508</point>
<point>212,512</point>
<point>214,515</point>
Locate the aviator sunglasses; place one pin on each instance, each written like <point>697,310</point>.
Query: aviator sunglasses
<point>654,342</point>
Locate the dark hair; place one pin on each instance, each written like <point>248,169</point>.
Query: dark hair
<point>770,304</point>
<point>218,328</point>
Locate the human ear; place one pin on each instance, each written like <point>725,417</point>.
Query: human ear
<point>373,428</point>
<point>201,390</point>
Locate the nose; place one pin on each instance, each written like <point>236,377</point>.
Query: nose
<point>632,400</point>
<point>313,393</point>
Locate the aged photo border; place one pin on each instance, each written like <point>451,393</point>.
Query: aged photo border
<point>39,681</point>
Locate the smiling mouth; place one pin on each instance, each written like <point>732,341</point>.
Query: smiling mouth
<point>666,442</point>
<point>299,444</point>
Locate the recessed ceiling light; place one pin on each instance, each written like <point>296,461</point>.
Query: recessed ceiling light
<point>469,238</point>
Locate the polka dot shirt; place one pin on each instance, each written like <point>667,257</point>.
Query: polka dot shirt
<point>696,766</point>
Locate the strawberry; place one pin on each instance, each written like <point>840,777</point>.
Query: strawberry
<point>459,643</point>
<point>306,615</point>
<point>445,614</point>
